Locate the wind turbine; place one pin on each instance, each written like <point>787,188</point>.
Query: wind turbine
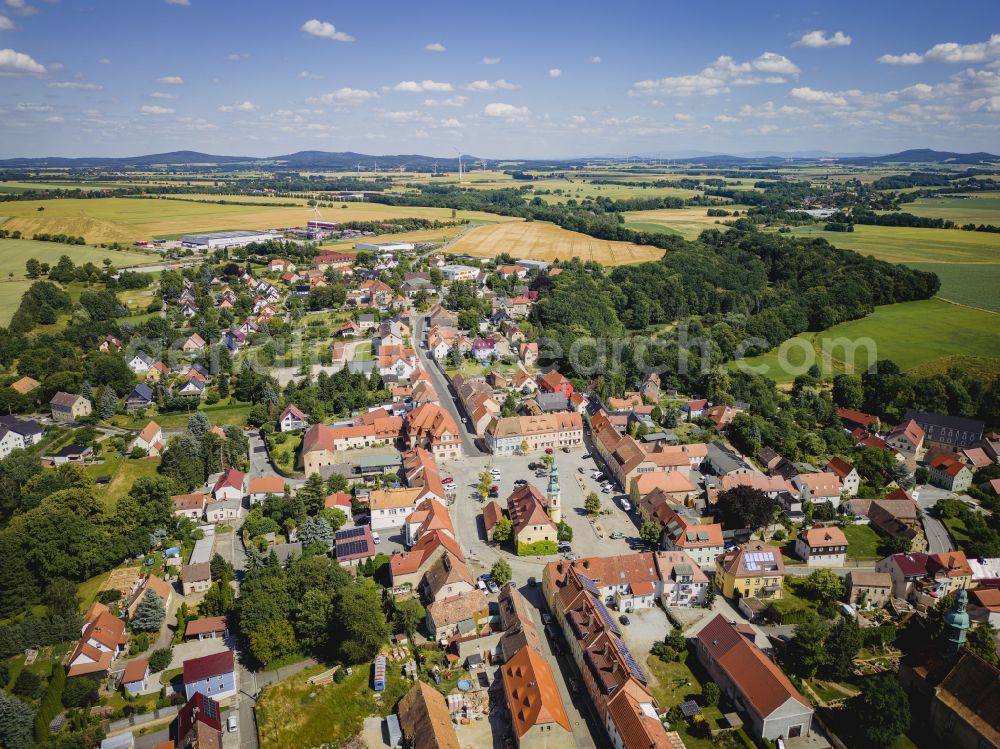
<point>359,168</point>
<point>459,165</point>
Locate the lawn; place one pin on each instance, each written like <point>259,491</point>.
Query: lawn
<point>88,590</point>
<point>675,683</point>
<point>974,284</point>
<point>363,351</point>
<point>976,208</point>
<point>131,219</point>
<point>902,244</point>
<point>285,453</point>
<point>862,542</point>
<point>911,334</point>
<point>220,414</point>
<point>294,713</point>
<point>790,602</point>
<point>127,474</point>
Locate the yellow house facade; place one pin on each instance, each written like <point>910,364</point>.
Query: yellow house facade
<point>755,571</point>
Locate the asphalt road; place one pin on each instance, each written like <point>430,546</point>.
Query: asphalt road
<point>447,396</point>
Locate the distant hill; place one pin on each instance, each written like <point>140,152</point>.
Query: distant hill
<point>927,156</point>
<point>350,160</point>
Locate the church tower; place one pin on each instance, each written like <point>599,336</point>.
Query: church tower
<point>552,495</point>
<point>956,623</point>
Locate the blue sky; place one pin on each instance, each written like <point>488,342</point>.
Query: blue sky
<point>499,80</point>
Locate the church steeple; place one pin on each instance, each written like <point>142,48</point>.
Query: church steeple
<point>553,494</point>
<point>956,623</point>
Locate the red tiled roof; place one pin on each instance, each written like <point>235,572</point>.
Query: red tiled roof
<point>196,669</point>
<point>135,670</point>
<point>532,694</point>
<point>197,627</point>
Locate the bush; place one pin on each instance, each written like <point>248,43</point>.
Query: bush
<point>80,692</point>
<point>28,684</point>
<point>339,675</point>
<point>109,596</point>
<point>711,693</point>
<point>540,548</point>
<point>160,659</point>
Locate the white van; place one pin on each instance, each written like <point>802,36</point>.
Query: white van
<point>376,537</point>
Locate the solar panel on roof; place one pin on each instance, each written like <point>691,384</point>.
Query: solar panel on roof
<point>633,666</point>
<point>352,547</point>
<point>589,586</point>
<point>606,616</point>
<point>351,533</point>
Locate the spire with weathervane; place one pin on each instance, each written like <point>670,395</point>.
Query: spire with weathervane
<point>553,494</point>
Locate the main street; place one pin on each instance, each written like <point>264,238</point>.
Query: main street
<point>444,391</point>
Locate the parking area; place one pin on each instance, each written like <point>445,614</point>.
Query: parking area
<point>645,627</point>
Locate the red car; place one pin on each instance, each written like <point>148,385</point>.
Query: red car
<point>548,450</point>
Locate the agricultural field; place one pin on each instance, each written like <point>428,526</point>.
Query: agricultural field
<point>532,240</point>
<point>132,219</point>
<point>10,298</point>
<point>420,235</point>
<point>945,330</point>
<point>977,208</point>
<point>686,222</point>
<point>903,244</point>
<point>13,253</point>
<point>973,284</point>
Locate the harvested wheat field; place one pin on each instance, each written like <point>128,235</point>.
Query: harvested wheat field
<point>530,240</point>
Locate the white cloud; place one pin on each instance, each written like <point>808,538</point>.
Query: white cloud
<point>819,40</point>
<point>434,47</point>
<point>13,63</point>
<point>451,124</point>
<point>451,101</point>
<point>6,24</point>
<point>768,109</point>
<point>21,8</point>
<point>496,85</point>
<point>416,87</point>
<point>185,3</point>
<point>154,109</point>
<point>554,72</point>
<point>170,80</point>
<point>54,119</point>
<point>76,85</point>
<point>243,106</point>
<point>237,56</point>
<point>988,104</point>
<point>813,96</point>
<point>307,75</point>
<point>683,117</point>
<point>949,52</point>
<point>491,60</point>
<point>505,111</point>
<point>26,106</point>
<point>725,118</point>
<point>403,117</point>
<point>163,95</point>
<point>343,96</point>
<point>104,61</point>
<point>719,76</point>
<point>596,59</point>
<point>325,30</point>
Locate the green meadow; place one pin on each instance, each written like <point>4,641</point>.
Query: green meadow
<point>974,284</point>
<point>977,208</point>
<point>908,245</point>
<point>912,334</point>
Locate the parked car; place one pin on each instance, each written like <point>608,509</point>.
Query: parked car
<point>571,557</point>
<point>585,456</point>
<point>617,534</point>
<point>546,619</point>
<point>447,480</point>
<point>565,450</point>
<point>532,582</point>
<point>520,482</point>
<point>606,490</point>
<point>626,505</point>
<point>563,546</point>
<point>581,469</point>
<point>376,537</point>
<point>492,585</point>
<point>624,620</point>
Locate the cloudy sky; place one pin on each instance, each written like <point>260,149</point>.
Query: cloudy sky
<point>514,79</point>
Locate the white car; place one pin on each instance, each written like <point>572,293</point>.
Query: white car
<point>626,505</point>
<point>606,490</point>
<point>376,537</point>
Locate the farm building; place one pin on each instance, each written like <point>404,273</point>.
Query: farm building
<point>217,240</point>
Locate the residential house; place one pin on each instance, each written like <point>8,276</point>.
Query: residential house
<point>211,675</point>
<point>431,427</point>
<point>695,408</point>
<point>291,419</point>
<point>819,487</point>
<point>390,507</point>
<point>196,578</point>
<point>948,473</point>
<point>71,454</point>
<point>261,486</point>
<point>140,398</point>
<point>199,724</point>
<point>351,546</point>
<point>322,441</point>
<point>458,615</point>
<point>907,438</point>
<point>194,387</point>
<point>102,638</point>
<point>140,363</point>
<point>430,515</point>
<point>492,512</point>
<point>866,589</point>
<point>537,713</point>
<point>850,480</point>
<point>754,570</point>
<point>193,343</point>
<point>109,343</point>
<point>425,719</point>
<point>68,408</point>
<point>701,541</point>
<point>191,506</point>
<point>149,440</point>
<point>408,568</point>
<point>447,577</point>
<point>854,420</point>
<point>771,706</point>
<point>682,581</point>
<point>528,354</point>
<point>822,546</point>
<point>135,676</point>
<point>229,485</point>
<point>223,510</point>
<point>483,349</point>
<point>510,435</point>
<point>206,628</point>
<point>553,382</point>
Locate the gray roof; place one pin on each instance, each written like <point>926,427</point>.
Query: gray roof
<point>380,461</point>
<point>724,460</point>
<point>64,400</point>
<point>205,237</point>
<point>552,402</point>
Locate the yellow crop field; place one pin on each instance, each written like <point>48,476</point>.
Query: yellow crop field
<point>131,219</point>
<point>420,235</point>
<point>530,240</point>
